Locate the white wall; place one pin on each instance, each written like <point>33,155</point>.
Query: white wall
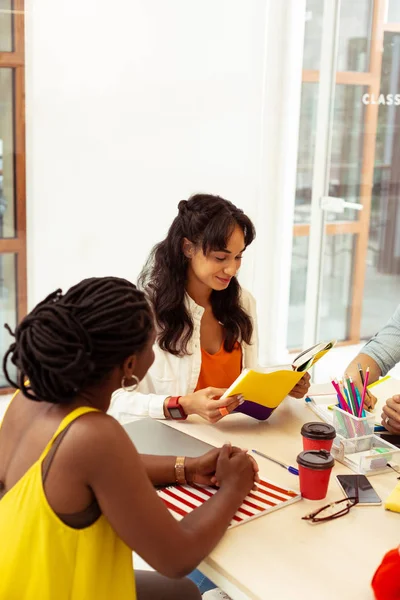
<point>132,107</point>
<point>128,112</point>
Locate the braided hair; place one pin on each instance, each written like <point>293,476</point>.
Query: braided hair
<point>69,342</point>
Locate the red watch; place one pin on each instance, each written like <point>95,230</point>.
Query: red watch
<point>175,410</point>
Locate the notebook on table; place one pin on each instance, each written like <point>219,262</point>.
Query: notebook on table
<point>182,499</point>
<point>155,437</point>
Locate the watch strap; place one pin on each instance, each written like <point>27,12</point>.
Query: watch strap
<point>173,403</point>
<point>180,475</point>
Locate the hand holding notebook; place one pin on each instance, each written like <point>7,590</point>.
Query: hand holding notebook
<point>270,386</point>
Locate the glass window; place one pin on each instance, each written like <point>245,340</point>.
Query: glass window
<point>8,307</point>
<point>305,156</point>
<point>347,140</point>
<point>347,147</point>
<point>336,287</point>
<point>7,186</point>
<point>6,26</point>
<point>298,280</point>
<point>354,35</point>
<point>382,280</point>
<point>381,293</point>
<point>313,34</point>
<point>394,11</point>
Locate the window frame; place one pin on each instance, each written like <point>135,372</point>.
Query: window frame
<point>15,60</point>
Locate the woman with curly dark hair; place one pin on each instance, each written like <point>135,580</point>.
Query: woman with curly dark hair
<point>206,323</point>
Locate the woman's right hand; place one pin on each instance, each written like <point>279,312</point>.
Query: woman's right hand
<point>206,403</point>
<point>235,470</point>
<point>370,400</point>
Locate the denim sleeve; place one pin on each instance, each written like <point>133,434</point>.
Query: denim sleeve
<point>384,347</point>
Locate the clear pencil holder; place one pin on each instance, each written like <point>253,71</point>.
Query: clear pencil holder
<point>368,454</point>
<point>349,426</point>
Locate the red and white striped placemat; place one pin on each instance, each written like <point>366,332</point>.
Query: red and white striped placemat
<point>182,499</point>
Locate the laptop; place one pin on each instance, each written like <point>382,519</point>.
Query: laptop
<point>155,437</point>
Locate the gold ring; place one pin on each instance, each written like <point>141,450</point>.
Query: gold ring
<point>223,411</point>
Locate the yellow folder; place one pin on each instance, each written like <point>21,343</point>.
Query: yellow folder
<point>269,387</point>
<point>393,500</point>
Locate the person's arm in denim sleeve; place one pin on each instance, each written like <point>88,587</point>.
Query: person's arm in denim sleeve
<point>380,355</point>
<point>384,347</point>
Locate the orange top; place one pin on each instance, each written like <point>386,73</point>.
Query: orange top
<point>220,369</point>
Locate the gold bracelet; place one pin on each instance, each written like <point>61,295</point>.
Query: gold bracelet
<point>180,470</point>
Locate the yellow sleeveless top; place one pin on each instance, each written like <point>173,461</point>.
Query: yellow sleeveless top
<point>41,558</point>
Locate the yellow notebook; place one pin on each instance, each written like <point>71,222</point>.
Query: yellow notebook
<point>270,386</point>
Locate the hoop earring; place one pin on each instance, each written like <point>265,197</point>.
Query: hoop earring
<point>130,388</point>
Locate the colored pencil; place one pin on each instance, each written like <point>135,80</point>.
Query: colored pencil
<point>351,398</point>
<point>353,391</point>
<point>346,393</point>
<point>362,377</point>
<point>342,401</point>
<point>365,386</point>
<point>361,411</point>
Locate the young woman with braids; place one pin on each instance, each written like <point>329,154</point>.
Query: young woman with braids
<point>206,323</point>
<point>75,496</point>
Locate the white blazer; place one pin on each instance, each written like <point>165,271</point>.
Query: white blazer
<point>178,375</point>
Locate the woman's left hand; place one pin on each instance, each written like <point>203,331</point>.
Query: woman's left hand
<point>301,388</point>
<point>201,470</point>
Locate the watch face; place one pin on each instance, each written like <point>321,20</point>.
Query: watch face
<point>175,413</point>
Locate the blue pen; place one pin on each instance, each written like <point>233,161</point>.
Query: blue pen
<point>292,470</point>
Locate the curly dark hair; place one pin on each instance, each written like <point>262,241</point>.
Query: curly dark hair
<point>69,342</point>
<point>208,222</point>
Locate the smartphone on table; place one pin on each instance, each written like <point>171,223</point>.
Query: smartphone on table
<point>359,486</point>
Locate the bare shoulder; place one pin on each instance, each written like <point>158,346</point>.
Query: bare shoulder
<point>98,437</point>
<point>97,427</point>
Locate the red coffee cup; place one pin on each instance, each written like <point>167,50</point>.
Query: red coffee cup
<point>318,436</point>
<point>315,468</point>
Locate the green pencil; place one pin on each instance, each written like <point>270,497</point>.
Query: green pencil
<point>351,397</point>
